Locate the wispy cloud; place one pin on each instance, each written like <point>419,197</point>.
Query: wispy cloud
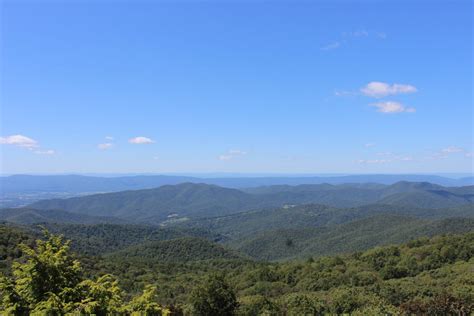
<point>345,93</point>
<point>19,141</point>
<point>332,45</point>
<point>231,154</point>
<point>369,145</point>
<point>141,140</point>
<point>452,149</point>
<point>45,152</point>
<point>376,89</point>
<point>109,138</point>
<point>355,34</point>
<point>392,107</point>
<point>347,37</point>
<point>373,161</point>
<point>105,146</point>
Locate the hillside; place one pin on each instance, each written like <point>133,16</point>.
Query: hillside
<point>354,236</point>
<point>175,250</point>
<point>426,275</point>
<point>101,239</point>
<point>157,204</point>
<point>36,216</point>
<point>236,226</point>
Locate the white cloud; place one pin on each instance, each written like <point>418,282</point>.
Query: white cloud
<point>331,46</point>
<point>105,146</point>
<point>378,89</point>
<point>237,152</point>
<point>391,107</point>
<point>344,93</point>
<point>141,140</point>
<point>374,161</point>
<point>369,145</point>
<point>225,157</point>
<point>469,155</point>
<point>45,152</point>
<point>109,138</point>
<point>358,33</point>
<point>347,37</point>
<point>384,153</point>
<point>19,140</point>
<point>231,154</point>
<point>452,149</point>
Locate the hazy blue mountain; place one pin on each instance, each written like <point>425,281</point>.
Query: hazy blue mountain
<point>21,184</point>
<point>80,184</point>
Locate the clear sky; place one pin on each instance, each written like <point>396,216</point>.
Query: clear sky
<point>236,86</point>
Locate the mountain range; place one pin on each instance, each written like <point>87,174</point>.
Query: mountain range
<point>189,200</point>
<point>22,184</point>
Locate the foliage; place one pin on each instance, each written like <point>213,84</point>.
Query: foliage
<point>424,276</point>
<point>214,297</point>
<point>50,281</point>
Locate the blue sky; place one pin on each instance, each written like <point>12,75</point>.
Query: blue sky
<point>241,86</point>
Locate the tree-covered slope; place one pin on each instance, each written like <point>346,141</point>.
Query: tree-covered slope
<point>35,216</point>
<point>429,199</point>
<point>105,238</point>
<point>240,225</point>
<point>157,204</point>
<point>354,236</point>
<point>176,250</point>
<point>423,277</point>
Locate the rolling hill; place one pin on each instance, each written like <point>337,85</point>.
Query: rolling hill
<point>236,226</point>
<point>158,204</point>
<point>188,200</point>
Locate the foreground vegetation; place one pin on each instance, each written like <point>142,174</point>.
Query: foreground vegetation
<point>424,277</point>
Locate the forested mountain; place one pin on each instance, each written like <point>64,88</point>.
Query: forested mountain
<point>236,226</point>
<point>35,216</point>
<point>202,200</point>
<point>158,204</point>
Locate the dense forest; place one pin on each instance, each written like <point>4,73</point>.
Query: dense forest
<point>424,276</point>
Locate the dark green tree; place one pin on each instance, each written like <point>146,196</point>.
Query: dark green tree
<point>215,297</point>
